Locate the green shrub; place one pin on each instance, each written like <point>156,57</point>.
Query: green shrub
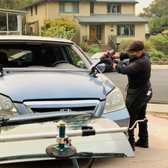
<point>155,60</point>
<point>90,49</point>
<point>63,27</point>
<point>165,32</point>
<point>164,60</point>
<point>156,54</point>
<point>94,48</point>
<point>148,45</point>
<point>85,46</point>
<point>123,45</point>
<point>160,43</point>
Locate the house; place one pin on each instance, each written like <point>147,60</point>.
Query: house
<point>99,21</point>
<point>11,21</point>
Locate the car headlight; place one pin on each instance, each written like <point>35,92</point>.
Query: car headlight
<point>6,106</point>
<point>114,101</point>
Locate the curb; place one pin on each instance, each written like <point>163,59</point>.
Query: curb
<point>159,66</point>
<point>157,108</point>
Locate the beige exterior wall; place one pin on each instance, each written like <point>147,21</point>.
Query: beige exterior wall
<point>40,17</point>
<point>111,30</point>
<point>100,8</point>
<point>139,34</point>
<point>128,9</point>
<point>84,31</point>
<point>140,31</point>
<point>51,10</point>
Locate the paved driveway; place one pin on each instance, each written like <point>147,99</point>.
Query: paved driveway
<point>154,157</point>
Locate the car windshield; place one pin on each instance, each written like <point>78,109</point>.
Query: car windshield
<point>20,55</point>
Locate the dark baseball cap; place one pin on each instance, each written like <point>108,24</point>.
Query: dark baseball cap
<point>135,46</point>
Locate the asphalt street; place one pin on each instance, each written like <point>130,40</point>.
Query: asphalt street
<point>159,80</point>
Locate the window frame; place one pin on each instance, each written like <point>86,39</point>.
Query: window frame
<point>130,32</point>
<point>9,22</point>
<point>110,7</point>
<point>91,7</point>
<point>74,6</point>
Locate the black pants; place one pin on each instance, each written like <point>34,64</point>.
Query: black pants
<point>136,103</point>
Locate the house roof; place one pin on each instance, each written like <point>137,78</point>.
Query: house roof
<point>115,1</point>
<point>103,1</point>
<point>12,11</point>
<point>111,18</point>
<point>34,3</point>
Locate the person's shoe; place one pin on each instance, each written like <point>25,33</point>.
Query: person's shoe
<point>133,147</point>
<point>143,144</point>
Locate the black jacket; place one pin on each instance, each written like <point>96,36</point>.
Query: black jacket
<point>138,71</point>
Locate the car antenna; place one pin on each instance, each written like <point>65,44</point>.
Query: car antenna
<point>1,70</point>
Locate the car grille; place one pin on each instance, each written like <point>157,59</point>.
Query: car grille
<point>62,106</point>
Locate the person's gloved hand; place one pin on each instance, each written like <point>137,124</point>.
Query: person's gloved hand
<point>106,61</point>
<point>124,56</point>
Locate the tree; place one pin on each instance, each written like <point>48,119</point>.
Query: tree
<point>156,8</point>
<point>15,4</point>
<point>158,13</point>
<point>63,27</point>
<point>158,24</point>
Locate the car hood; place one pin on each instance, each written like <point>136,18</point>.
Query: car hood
<point>33,85</point>
<point>98,145</point>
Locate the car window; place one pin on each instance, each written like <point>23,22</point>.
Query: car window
<point>46,55</point>
<point>23,56</point>
<point>75,59</point>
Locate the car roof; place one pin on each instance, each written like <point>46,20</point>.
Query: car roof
<point>32,38</point>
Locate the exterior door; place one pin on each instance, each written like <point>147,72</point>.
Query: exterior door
<point>95,33</point>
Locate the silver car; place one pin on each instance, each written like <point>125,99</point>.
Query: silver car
<point>56,81</point>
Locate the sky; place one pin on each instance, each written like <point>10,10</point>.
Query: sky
<point>142,4</point>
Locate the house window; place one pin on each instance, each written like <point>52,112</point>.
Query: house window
<point>125,30</point>
<point>3,22</point>
<point>91,8</point>
<point>8,22</point>
<point>113,8</point>
<point>69,7</point>
<point>12,22</point>
<point>36,9</point>
<point>31,11</point>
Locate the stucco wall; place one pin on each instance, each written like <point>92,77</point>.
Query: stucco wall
<point>100,8</point>
<point>40,17</point>
<point>127,9</point>
<point>140,31</point>
<point>139,34</point>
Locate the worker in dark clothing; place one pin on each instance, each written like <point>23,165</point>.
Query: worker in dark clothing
<point>139,90</point>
